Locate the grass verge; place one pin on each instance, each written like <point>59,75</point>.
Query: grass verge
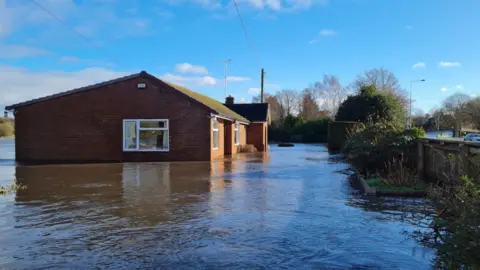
<point>377,183</point>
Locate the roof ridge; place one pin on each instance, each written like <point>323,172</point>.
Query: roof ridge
<point>207,101</point>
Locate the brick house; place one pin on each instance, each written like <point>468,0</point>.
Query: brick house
<point>134,118</point>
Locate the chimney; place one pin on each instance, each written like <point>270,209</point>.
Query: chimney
<point>229,100</point>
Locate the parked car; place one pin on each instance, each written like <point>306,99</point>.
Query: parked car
<point>472,137</point>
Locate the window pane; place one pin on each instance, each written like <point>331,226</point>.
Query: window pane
<point>130,135</point>
<point>215,139</point>
<point>237,134</point>
<point>153,139</point>
<point>153,124</point>
<point>215,125</point>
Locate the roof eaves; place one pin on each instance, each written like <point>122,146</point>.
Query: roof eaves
<point>73,91</point>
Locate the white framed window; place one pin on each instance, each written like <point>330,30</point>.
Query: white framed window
<point>146,135</point>
<point>215,134</point>
<point>237,134</point>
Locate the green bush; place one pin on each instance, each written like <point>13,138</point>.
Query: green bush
<point>453,225</point>
<point>338,133</point>
<point>295,129</point>
<point>369,149</point>
<point>370,105</point>
<point>6,127</point>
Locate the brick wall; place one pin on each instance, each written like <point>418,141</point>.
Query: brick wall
<point>87,126</point>
<point>257,134</point>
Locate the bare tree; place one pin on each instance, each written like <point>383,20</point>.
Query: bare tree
<point>455,105</point>
<point>385,81</point>
<point>288,100</point>
<point>276,110</point>
<point>308,107</point>
<point>419,117</point>
<point>329,93</point>
<point>472,112</point>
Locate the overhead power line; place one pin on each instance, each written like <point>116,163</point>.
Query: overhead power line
<point>246,35</point>
<point>105,52</point>
<point>63,22</point>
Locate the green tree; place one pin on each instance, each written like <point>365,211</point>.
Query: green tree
<point>371,104</point>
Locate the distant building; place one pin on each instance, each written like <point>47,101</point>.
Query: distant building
<point>135,118</point>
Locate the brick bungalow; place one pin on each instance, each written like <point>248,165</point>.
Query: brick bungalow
<point>135,118</point>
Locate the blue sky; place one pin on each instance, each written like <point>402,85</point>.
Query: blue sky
<point>186,41</point>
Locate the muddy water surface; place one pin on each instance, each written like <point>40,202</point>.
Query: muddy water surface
<point>285,209</point>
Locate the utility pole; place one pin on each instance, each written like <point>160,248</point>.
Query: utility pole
<point>261,86</point>
<point>226,66</point>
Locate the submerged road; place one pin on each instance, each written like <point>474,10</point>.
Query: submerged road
<point>287,209</point>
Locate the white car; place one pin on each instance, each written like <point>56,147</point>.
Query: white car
<point>472,137</point>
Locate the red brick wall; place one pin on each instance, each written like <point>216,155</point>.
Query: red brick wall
<point>87,126</point>
<point>219,152</point>
<point>257,135</point>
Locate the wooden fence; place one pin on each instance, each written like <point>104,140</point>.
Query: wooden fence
<point>445,159</point>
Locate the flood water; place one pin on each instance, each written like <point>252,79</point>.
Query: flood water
<point>287,209</point>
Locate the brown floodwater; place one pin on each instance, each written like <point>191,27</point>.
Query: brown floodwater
<point>288,208</point>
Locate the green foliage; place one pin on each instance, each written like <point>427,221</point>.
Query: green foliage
<point>455,228</point>
<point>298,130</point>
<point>338,133</point>
<point>369,149</point>
<point>378,183</point>
<point>11,188</point>
<point>6,127</point>
<point>370,104</point>
<point>450,222</point>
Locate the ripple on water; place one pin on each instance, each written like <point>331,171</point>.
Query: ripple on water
<point>273,211</point>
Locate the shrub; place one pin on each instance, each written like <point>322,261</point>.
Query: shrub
<point>296,129</point>
<point>338,133</point>
<point>6,129</point>
<point>454,225</point>
<point>396,174</point>
<point>369,149</point>
<point>370,104</point>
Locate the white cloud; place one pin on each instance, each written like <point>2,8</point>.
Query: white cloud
<point>272,86</point>
<point>20,84</point>
<point>208,4</point>
<point>459,86</point>
<point>17,15</point>
<point>194,81</point>
<point>444,89</point>
<point>237,79</point>
<point>419,65</point>
<point>328,32</point>
<point>275,5</point>
<point>444,64</point>
<point>254,91</point>
<point>189,68</point>
<point>324,33</point>
<point>19,51</point>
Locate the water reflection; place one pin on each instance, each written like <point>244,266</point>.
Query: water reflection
<point>255,211</point>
